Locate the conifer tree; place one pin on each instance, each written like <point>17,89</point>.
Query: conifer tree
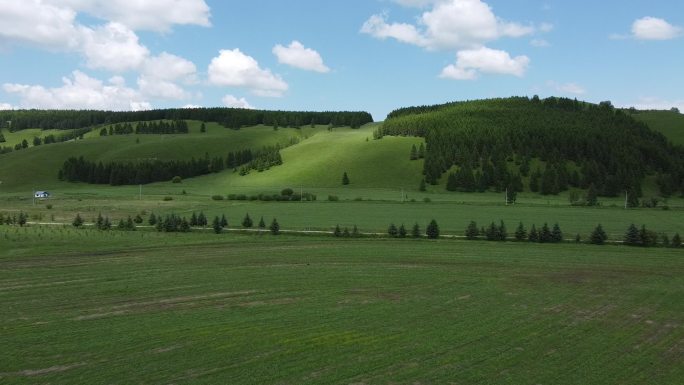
<point>503,234</point>
<point>545,234</point>
<point>224,221</point>
<point>355,232</point>
<point>262,224</point>
<point>392,231</point>
<point>632,237</point>
<point>184,226</point>
<point>345,179</point>
<point>492,233</point>
<point>138,219</point>
<point>415,232</point>
<point>216,225</point>
<point>247,221</point>
<point>346,233</point>
<point>152,220</point>
<point>78,221</point>
<point>598,236</point>
<point>556,234</point>
<point>421,151</point>
<point>202,219</point>
<point>676,241</point>
<point>520,233</point>
<point>99,222</point>
<point>534,235</point>
<point>193,220</point>
<point>130,226</point>
<point>432,230</point>
<point>472,231</point>
<point>414,153</point>
<point>402,231</point>
<point>275,227</point>
<point>422,186</point>
<point>338,232</point>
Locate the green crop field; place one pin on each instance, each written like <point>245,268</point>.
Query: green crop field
<point>115,308</point>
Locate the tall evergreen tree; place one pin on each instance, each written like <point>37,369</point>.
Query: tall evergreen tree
<point>202,219</point>
<point>432,230</point>
<point>402,231</point>
<point>534,235</point>
<point>392,231</point>
<point>492,233</point>
<point>503,234</point>
<point>520,233</point>
<point>414,153</point>
<point>556,234</point>
<point>262,224</point>
<point>632,237</point>
<point>676,241</point>
<point>337,232</point>
<point>472,231</point>
<point>247,221</point>
<point>78,221</point>
<point>422,186</point>
<point>345,179</point>
<point>415,231</point>
<point>216,225</point>
<point>275,227</point>
<point>224,221</point>
<point>598,236</point>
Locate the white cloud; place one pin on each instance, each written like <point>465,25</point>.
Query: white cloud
<point>416,3</point>
<point>5,106</point>
<point>80,92</point>
<point>298,56</point>
<point>113,47</point>
<point>154,15</point>
<point>190,106</point>
<point>546,27</point>
<point>449,24</point>
<point>33,22</point>
<point>232,68</point>
<point>471,63</point>
<point>540,43</point>
<point>161,75</point>
<point>652,28</point>
<point>233,102</point>
<point>567,88</point>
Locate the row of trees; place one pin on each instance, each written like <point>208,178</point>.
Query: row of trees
<point>17,120</point>
<point>117,173</point>
<point>154,127</point>
<point>498,232</point>
<point>14,219</point>
<point>612,150</point>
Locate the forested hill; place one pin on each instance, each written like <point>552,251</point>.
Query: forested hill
<point>586,145</point>
<point>17,120</point>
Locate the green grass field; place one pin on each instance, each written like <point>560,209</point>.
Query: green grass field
<point>115,308</point>
<point>669,123</point>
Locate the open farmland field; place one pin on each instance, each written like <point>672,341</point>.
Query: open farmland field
<point>156,308</point>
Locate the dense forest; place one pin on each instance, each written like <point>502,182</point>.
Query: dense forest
<point>16,120</point>
<point>494,141</point>
<point>118,173</point>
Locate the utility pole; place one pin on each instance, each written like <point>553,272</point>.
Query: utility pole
<point>506,197</point>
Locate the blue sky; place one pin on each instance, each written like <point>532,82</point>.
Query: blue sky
<point>372,55</point>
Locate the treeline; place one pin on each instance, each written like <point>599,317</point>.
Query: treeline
<point>17,120</point>
<point>118,173</point>
<point>580,143</point>
<point>160,127</point>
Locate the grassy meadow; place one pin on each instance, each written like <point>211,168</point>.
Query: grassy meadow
<point>109,308</point>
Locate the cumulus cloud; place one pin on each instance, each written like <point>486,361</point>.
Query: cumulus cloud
<point>5,106</point>
<point>33,22</point>
<point>113,47</point>
<point>449,24</point>
<point>161,74</point>
<point>154,15</point>
<point>298,56</point>
<point>540,43</point>
<point>233,102</point>
<point>652,28</point>
<point>80,91</point>
<point>566,88</point>
<point>471,63</point>
<point>232,68</point>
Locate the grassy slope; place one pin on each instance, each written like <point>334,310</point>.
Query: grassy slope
<point>42,163</point>
<point>670,124</point>
<point>154,308</point>
<point>13,138</point>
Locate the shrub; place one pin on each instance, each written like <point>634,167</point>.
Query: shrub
<point>78,221</point>
<point>287,192</point>
<point>177,179</point>
<point>217,197</point>
<point>333,198</point>
<point>427,200</point>
<point>49,206</point>
<point>168,198</point>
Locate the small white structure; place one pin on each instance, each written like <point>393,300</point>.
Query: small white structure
<point>41,195</point>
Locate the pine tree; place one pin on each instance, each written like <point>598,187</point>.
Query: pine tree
<point>632,237</point>
<point>545,234</point>
<point>202,219</point>
<point>23,217</point>
<point>472,231</point>
<point>224,221</point>
<point>247,221</point>
<point>592,196</point>
<point>99,222</point>
<point>346,233</point>
<point>130,226</point>
<point>598,236</point>
<point>106,224</point>
<point>392,231</point>
<point>216,225</point>
<point>421,151</point>
<point>138,219</point>
<point>184,226</point>
<point>275,227</point>
<point>203,128</point>
<point>503,234</point>
<point>432,230</point>
<point>193,220</point>
<point>414,153</point>
<point>492,233</point>
<point>534,235</point>
<point>152,220</point>
<point>78,221</point>
<point>422,186</point>
<point>402,231</point>
<point>520,233</point>
<point>556,234</point>
<point>415,232</point>
<point>345,179</point>
<point>355,232</point>
<point>578,238</point>
<point>262,224</point>
<point>338,232</point>
<point>676,241</point>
